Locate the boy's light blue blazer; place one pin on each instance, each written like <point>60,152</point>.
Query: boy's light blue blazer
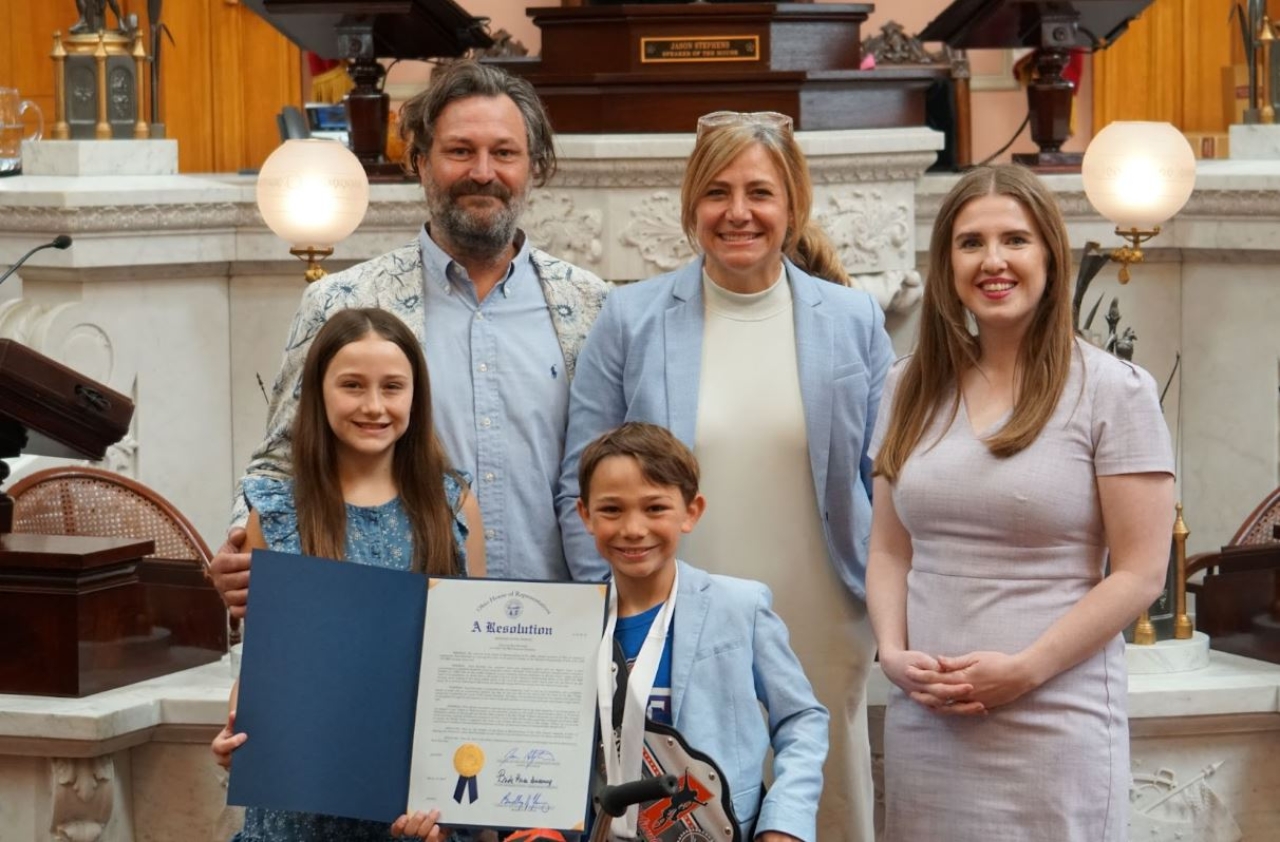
<point>642,362</point>
<point>729,651</point>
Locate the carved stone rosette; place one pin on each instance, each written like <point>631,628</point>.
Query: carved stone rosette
<point>654,230</point>
<point>872,230</point>
<point>557,227</point>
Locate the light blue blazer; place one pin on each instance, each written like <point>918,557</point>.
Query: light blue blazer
<point>642,362</point>
<point>729,654</point>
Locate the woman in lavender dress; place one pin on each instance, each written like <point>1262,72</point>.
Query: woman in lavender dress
<point>1013,463</point>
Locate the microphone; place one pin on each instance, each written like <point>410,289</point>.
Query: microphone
<point>62,241</point>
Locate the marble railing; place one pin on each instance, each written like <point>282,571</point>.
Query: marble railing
<point>127,765</point>
<point>133,764</point>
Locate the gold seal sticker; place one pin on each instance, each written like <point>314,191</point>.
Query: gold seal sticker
<point>468,760</point>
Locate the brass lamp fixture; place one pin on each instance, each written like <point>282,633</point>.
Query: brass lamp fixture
<point>312,193</point>
<point>1182,627</point>
<point>1138,174</point>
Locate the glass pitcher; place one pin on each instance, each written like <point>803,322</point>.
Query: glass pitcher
<point>13,129</point>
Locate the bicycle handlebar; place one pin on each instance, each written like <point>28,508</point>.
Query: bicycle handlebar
<point>614,800</point>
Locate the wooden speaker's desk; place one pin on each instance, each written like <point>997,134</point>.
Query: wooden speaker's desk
<point>80,615</point>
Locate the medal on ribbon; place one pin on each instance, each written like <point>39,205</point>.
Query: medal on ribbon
<point>468,760</point>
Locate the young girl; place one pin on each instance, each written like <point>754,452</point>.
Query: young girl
<point>370,486</point>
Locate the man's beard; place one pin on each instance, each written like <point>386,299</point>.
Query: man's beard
<point>483,234</point>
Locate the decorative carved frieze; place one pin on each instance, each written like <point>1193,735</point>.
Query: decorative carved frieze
<point>557,227</point>
<point>870,231</point>
<point>669,172</point>
<point>83,793</point>
<point>654,230</point>
<point>1233,203</point>
<point>123,218</point>
<point>1239,205</point>
<point>1163,807</point>
<point>640,172</point>
<point>884,166</point>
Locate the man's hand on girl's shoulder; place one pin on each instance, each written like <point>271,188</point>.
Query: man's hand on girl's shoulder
<point>229,571</point>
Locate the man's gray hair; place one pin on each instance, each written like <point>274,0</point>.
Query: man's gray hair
<point>461,80</point>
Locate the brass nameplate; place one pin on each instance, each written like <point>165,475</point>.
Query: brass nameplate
<point>699,49</point>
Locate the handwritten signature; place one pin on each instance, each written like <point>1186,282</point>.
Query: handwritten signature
<point>533,757</point>
<point>518,778</point>
<point>524,802</point>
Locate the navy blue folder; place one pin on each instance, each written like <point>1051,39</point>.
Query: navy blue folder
<point>328,687</point>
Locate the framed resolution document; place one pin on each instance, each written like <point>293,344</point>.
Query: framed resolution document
<point>369,693</point>
<point>504,734</point>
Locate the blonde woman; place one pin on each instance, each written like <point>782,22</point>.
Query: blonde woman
<point>759,357</point>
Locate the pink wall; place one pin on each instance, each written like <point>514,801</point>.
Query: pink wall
<point>995,113</point>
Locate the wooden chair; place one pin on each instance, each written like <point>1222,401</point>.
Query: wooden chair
<point>90,501</point>
<point>1262,526</point>
<point>1238,601</point>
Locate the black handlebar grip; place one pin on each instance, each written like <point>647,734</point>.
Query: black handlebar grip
<point>614,800</point>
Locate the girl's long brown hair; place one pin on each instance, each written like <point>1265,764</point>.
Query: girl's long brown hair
<point>418,463</point>
<point>805,244</point>
<point>946,348</point>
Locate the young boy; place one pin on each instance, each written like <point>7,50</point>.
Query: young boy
<point>727,652</point>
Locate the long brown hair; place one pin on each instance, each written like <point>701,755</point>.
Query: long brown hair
<point>946,348</point>
<point>805,244</point>
<point>418,464</point>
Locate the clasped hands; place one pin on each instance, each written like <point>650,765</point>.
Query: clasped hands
<point>965,685</point>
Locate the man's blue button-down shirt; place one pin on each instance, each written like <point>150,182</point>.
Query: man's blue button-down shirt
<point>501,403</point>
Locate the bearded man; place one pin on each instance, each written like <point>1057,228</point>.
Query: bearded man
<point>500,321</point>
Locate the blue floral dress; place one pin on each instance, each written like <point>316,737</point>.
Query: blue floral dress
<point>378,535</point>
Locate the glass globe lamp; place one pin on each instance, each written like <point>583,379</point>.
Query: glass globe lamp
<point>312,193</point>
<point>1138,175</point>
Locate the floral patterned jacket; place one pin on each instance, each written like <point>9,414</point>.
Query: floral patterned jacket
<point>393,282</point>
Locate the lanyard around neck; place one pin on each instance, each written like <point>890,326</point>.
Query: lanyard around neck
<point>623,752</point>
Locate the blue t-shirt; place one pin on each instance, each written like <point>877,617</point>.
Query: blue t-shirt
<point>630,633</point>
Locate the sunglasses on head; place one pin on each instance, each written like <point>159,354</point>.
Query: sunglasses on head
<point>720,119</point>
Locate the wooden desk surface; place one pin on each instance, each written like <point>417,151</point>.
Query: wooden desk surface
<point>68,552</point>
